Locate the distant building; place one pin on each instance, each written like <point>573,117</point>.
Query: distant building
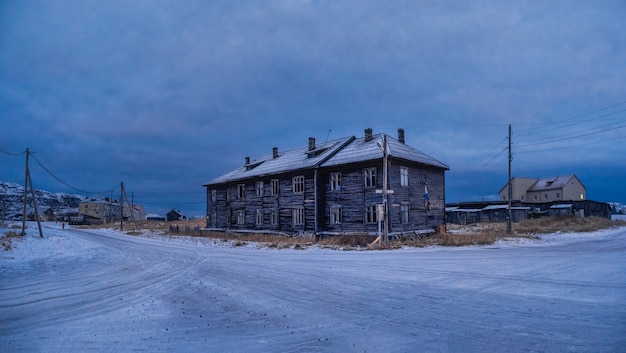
<point>558,188</point>
<point>175,215</point>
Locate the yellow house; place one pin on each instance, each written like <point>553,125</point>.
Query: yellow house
<point>558,188</point>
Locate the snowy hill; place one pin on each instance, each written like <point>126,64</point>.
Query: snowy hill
<point>618,208</point>
<point>12,199</point>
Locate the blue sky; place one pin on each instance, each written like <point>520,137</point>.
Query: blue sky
<point>167,95</point>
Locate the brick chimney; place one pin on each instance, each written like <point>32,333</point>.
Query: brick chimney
<point>247,160</point>
<point>368,134</point>
<point>401,135</point>
<point>274,152</point>
<point>311,143</point>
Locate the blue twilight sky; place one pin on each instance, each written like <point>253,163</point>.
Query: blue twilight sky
<point>167,95</point>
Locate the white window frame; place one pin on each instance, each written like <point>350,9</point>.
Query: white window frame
<point>259,216</point>
<point>214,195</point>
<point>298,216</point>
<point>371,214</point>
<point>370,177</point>
<point>298,184</point>
<point>241,191</point>
<point>274,187</point>
<point>273,217</point>
<point>214,218</point>
<point>404,176</point>
<point>335,181</point>
<point>258,187</point>
<point>336,214</point>
<point>405,211</point>
<point>241,217</point>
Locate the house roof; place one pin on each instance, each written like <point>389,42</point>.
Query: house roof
<point>551,183</point>
<point>360,151</point>
<point>331,153</point>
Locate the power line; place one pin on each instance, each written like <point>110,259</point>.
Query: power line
<point>64,183</point>
<point>578,145</point>
<point>10,153</point>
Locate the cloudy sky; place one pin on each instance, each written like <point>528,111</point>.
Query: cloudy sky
<point>167,95</point>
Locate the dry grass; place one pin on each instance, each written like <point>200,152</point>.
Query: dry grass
<point>7,239</point>
<point>475,234</point>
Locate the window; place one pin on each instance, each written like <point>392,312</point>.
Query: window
<point>259,188</point>
<point>582,197</point>
<point>298,216</point>
<point>545,196</point>
<point>213,195</point>
<point>335,181</point>
<point>335,215</point>
<point>370,177</point>
<point>214,218</point>
<point>274,186</point>
<point>273,217</point>
<point>241,217</point>
<point>404,213</point>
<point>404,176</point>
<point>523,197</point>
<point>241,191</point>
<point>259,216</point>
<point>370,214</point>
<point>298,184</point>
<point>535,197</point>
<point>558,195</point>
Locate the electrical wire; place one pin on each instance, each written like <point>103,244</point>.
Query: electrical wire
<point>63,182</point>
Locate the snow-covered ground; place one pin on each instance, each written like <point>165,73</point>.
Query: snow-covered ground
<point>78,290</point>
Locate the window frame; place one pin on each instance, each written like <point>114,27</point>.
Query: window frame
<point>370,215</point>
<point>259,217</point>
<point>404,176</point>
<point>273,217</point>
<point>297,184</point>
<point>405,213</point>
<point>336,214</point>
<point>274,187</point>
<point>298,216</point>
<point>258,188</point>
<point>370,177</point>
<point>241,191</point>
<point>335,181</point>
<point>241,217</point>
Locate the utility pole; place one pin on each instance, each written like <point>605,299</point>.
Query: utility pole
<point>28,180</point>
<point>510,218</point>
<point>121,206</point>
<point>385,210</point>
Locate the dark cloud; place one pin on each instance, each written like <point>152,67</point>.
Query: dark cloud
<point>166,95</point>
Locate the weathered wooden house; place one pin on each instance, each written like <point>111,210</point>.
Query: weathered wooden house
<point>332,188</point>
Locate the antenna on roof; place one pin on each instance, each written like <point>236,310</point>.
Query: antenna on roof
<point>327,136</point>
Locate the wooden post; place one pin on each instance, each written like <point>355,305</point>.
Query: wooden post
<point>508,223</point>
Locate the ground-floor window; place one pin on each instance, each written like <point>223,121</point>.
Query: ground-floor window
<point>404,213</point>
<point>370,214</point>
<point>273,217</point>
<point>259,216</point>
<point>335,215</point>
<point>298,216</point>
<point>241,217</point>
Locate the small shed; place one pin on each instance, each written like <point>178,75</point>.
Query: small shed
<point>175,215</point>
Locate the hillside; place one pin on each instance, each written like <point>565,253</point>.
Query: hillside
<point>12,200</point>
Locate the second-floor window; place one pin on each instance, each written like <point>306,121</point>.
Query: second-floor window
<point>370,177</point>
<point>404,176</point>
<point>241,191</point>
<point>298,184</point>
<point>259,188</point>
<point>335,181</point>
<point>274,186</point>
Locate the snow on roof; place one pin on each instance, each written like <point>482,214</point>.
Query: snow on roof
<point>561,206</point>
<point>556,182</point>
<point>337,152</point>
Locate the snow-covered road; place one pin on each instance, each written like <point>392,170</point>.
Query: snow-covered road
<point>81,290</point>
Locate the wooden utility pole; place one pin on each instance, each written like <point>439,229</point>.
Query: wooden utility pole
<point>29,181</point>
<point>385,197</point>
<point>121,206</point>
<point>510,218</point>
